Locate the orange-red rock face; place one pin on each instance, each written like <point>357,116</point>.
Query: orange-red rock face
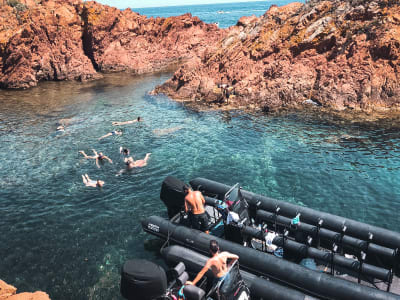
<point>64,40</point>
<point>8,292</point>
<point>341,54</point>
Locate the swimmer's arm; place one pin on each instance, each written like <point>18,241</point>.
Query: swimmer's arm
<point>202,198</point>
<point>201,274</point>
<point>109,160</point>
<point>97,163</point>
<point>95,152</point>
<point>231,256</point>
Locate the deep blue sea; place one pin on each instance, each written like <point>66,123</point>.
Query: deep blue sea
<point>225,15</point>
<point>69,240</point>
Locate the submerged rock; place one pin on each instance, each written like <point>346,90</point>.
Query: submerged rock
<point>342,54</point>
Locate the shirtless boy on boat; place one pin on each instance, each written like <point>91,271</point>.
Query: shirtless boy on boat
<point>217,263</point>
<point>194,204</point>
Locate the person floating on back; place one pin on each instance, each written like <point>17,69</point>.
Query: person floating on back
<point>115,132</point>
<point>194,205</point>
<point>131,163</point>
<point>217,263</point>
<point>92,183</point>
<point>99,157</point>
<point>139,119</point>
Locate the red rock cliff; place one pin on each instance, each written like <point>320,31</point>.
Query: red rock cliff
<point>8,292</point>
<point>64,40</point>
<point>340,54</point>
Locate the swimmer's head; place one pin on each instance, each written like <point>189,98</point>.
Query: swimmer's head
<point>139,119</point>
<point>100,183</point>
<point>125,151</point>
<point>60,128</point>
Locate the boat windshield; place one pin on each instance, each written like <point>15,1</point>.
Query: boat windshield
<point>230,285</point>
<point>234,194</point>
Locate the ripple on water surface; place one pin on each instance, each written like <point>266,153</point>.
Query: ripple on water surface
<point>70,241</point>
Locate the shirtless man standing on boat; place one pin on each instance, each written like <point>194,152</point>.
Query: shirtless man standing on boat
<point>217,263</point>
<point>194,204</point>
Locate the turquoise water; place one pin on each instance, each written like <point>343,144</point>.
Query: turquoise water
<point>70,240</point>
<point>226,14</point>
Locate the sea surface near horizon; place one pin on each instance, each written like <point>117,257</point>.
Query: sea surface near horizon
<point>70,241</point>
<point>225,14</point>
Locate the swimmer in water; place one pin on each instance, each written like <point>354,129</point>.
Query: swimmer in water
<point>124,151</point>
<point>139,119</point>
<point>115,132</point>
<point>92,183</point>
<point>99,157</point>
<point>60,128</point>
<point>131,163</point>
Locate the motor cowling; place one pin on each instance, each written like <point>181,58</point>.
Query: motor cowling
<point>142,279</point>
<point>172,195</point>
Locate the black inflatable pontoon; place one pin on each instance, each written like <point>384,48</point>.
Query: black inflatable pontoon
<point>381,236</point>
<point>374,240</point>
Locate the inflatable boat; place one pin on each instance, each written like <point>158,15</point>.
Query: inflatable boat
<point>366,258</point>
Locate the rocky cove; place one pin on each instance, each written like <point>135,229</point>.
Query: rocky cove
<point>337,55</point>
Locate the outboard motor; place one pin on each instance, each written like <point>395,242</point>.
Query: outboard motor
<point>142,279</point>
<point>172,195</point>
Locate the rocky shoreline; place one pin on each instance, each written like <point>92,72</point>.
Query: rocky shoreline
<point>9,292</point>
<point>340,55</point>
<point>76,40</point>
<point>334,54</point>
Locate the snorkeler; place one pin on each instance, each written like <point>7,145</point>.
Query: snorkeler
<point>97,156</point>
<point>139,119</point>
<point>115,132</point>
<point>92,183</point>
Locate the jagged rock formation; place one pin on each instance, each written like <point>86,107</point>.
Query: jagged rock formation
<point>65,40</point>
<point>8,292</point>
<point>340,54</point>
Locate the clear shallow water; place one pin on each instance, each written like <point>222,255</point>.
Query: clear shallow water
<point>226,14</point>
<point>70,240</point>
